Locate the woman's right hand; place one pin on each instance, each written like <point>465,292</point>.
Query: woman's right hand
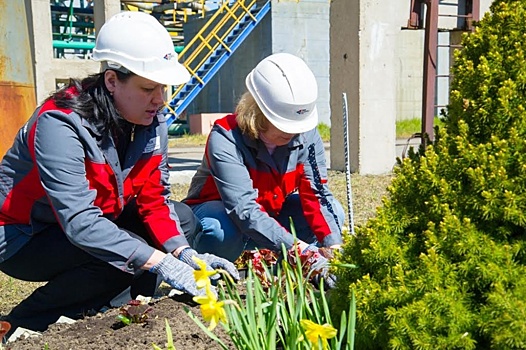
<point>178,275</point>
<point>319,268</point>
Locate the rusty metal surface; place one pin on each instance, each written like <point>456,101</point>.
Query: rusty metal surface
<point>17,86</point>
<point>16,104</point>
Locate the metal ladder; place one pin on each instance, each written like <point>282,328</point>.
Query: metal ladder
<point>467,12</point>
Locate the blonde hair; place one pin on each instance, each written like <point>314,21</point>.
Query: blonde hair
<point>249,117</point>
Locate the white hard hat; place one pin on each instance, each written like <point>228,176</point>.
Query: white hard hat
<point>285,90</point>
<point>138,42</point>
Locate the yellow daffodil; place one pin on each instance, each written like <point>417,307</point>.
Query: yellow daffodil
<point>314,331</point>
<point>212,310</point>
<point>202,276</point>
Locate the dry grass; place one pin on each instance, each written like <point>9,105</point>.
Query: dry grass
<point>367,192</point>
<point>187,140</point>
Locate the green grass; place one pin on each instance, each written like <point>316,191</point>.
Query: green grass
<point>406,128</point>
<point>325,132</point>
<point>189,140</point>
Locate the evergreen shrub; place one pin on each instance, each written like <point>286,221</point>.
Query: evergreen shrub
<point>442,265</point>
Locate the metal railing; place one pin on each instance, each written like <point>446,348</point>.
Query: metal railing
<point>211,37</point>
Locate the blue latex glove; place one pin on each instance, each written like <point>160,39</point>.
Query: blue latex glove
<point>213,262</point>
<point>320,268</point>
<point>177,274</point>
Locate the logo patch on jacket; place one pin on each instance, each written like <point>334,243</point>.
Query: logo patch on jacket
<point>153,145</point>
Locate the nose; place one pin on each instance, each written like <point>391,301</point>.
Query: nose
<point>159,95</point>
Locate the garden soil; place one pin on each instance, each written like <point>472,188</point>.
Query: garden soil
<point>104,331</point>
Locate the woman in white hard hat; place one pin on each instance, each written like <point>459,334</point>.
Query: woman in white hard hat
<point>84,192</point>
<point>264,164</point>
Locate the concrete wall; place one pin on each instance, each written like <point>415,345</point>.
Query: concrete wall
<point>223,91</point>
<point>409,74</point>
<point>299,27</point>
<point>363,65</point>
<point>285,29</point>
<point>302,28</point>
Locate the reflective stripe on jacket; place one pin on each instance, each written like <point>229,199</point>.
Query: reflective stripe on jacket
<point>253,184</point>
<point>60,169</point>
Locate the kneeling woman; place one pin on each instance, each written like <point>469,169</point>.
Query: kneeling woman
<point>84,192</point>
<point>266,164</point>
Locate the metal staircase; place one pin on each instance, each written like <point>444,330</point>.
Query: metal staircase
<point>212,46</point>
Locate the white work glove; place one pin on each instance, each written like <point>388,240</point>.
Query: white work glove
<point>178,275</point>
<point>319,268</point>
<point>213,262</point>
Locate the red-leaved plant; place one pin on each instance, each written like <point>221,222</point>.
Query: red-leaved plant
<point>269,258</point>
<point>136,311</point>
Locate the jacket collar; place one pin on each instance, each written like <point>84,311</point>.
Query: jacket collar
<point>142,135</point>
<point>281,153</point>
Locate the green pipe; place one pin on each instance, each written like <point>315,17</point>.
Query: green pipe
<point>83,45</point>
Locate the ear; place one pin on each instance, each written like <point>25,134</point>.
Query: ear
<point>110,79</point>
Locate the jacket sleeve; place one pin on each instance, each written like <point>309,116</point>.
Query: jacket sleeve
<point>153,199</point>
<point>60,156</point>
<point>239,196</point>
<point>317,201</point>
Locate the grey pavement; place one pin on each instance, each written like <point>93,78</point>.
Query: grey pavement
<point>184,161</point>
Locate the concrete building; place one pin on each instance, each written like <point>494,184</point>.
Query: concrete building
<point>359,47</point>
<point>300,28</point>
<point>378,63</point>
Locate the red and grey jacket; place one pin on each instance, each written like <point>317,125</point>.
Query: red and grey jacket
<point>60,169</point>
<point>253,185</point>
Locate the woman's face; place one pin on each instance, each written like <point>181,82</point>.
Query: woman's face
<point>276,136</point>
<point>137,99</point>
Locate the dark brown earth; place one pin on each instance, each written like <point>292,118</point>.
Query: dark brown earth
<point>104,331</point>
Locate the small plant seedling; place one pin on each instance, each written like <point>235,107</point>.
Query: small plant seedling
<point>136,311</point>
<point>169,338</point>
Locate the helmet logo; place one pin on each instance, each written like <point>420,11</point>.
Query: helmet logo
<point>169,56</point>
<point>302,111</point>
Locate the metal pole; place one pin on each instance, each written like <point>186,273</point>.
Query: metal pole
<point>473,11</point>
<point>347,164</point>
<point>430,69</point>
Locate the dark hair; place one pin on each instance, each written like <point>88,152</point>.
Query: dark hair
<point>91,99</point>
